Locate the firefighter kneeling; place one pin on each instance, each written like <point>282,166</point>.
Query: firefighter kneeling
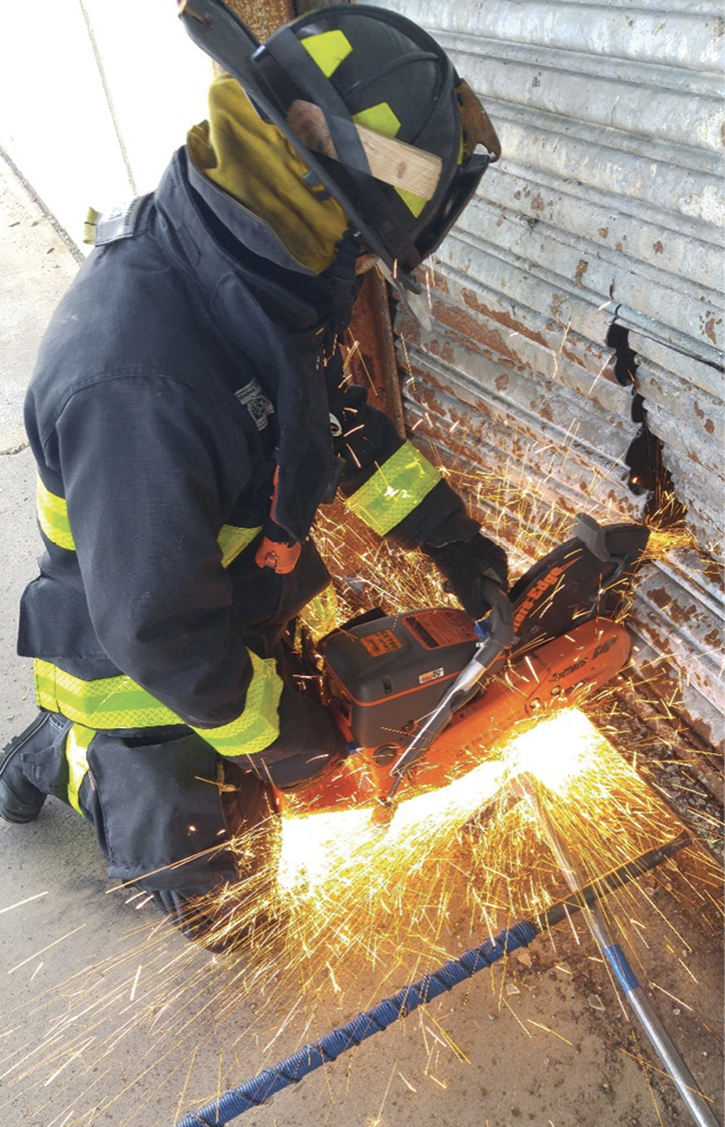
<point>188,415</point>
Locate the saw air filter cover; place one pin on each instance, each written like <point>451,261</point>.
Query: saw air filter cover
<point>384,676</point>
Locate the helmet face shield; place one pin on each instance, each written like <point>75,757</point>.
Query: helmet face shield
<point>370,102</point>
<point>460,192</point>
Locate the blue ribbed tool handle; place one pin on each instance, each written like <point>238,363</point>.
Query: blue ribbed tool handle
<point>271,1080</point>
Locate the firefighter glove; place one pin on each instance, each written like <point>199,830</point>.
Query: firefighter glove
<point>464,564</point>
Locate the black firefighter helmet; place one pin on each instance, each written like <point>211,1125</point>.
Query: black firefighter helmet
<point>376,110</point>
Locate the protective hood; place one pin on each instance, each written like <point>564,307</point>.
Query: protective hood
<point>252,161</point>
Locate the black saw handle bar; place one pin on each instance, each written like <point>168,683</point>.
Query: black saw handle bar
<point>496,635</point>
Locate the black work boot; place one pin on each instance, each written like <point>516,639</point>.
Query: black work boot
<point>20,801</point>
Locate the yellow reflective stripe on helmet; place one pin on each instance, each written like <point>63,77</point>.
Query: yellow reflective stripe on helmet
<point>394,490</point>
<point>258,725</point>
<point>77,743</point>
<point>233,539</point>
<point>381,118</point>
<point>118,702</point>
<point>53,517</point>
<point>328,49</point>
<point>414,204</point>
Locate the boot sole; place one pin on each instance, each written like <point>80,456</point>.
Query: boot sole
<point>18,821</point>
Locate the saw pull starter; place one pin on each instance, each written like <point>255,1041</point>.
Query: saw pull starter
<point>496,634</point>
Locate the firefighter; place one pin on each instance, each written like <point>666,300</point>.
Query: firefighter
<point>188,416</point>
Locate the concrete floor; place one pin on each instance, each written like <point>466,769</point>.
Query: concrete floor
<point>108,1018</point>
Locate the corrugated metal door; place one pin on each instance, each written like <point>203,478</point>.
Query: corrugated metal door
<point>574,357</point>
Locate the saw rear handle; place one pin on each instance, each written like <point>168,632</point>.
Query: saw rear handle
<point>496,635</point>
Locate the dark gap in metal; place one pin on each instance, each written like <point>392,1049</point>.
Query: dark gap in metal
<point>645,457</point>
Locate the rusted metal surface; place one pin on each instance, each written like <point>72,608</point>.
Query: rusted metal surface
<point>678,616</point>
<point>606,208</point>
<point>526,401</point>
<point>704,763</point>
<point>685,410</point>
<point>371,351</point>
<point>263,18</point>
<point>540,408</point>
<point>509,459</point>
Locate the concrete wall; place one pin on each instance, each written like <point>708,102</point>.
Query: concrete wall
<point>95,97</point>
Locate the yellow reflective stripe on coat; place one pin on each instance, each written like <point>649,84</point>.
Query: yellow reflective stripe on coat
<point>118,702</point>
<point>53,517</point>
<point>77,743</point>
<point>233,539</point>
<point>109,702</point>
<point>394,490</point>
<point>320,615</point>
<point>258,725</point>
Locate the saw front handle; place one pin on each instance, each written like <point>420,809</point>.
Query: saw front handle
<point>496,634</point>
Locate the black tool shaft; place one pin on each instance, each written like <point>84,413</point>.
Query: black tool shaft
<point>590,894</point>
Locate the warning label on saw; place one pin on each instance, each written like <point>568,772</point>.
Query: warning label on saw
<point>383,642</point>
<point>440,627</point>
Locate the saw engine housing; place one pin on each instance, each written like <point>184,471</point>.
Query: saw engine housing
<point>383,675</point>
